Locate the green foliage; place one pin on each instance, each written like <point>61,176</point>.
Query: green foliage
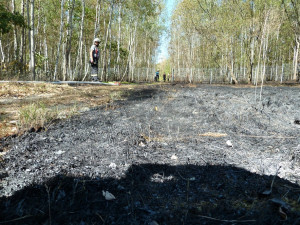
<point>164,67</point>
<point>7,19</point>
<point>138,36</point>
<point>215,33</point>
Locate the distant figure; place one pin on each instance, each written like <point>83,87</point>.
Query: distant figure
<point>156,78</point>
<point>168,77</point>
<point>94,57</point>
<point>164,76</point>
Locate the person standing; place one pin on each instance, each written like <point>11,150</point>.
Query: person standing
<point>164,76</point>
<point>156,78</point>
<point>94,58</point>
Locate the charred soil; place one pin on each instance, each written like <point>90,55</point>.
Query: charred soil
<point>168,154</point>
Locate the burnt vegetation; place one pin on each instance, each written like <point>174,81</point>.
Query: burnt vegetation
<point>168,155</point>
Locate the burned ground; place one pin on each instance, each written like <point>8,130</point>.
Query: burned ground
<point>163,154</point>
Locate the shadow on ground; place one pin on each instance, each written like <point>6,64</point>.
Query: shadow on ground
<point>142,94</point>
<point>186,194</point>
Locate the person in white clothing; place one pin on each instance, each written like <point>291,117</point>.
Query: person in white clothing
<point>94,58</point>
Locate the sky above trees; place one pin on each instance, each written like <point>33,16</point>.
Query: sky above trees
<point>162,52</point>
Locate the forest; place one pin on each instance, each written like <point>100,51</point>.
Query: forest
<point>240,40</point>
<point>50,40</point>
<point>221,41</point>
<point>246,41</point>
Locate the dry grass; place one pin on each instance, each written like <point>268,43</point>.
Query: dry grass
<point>39,115</point>
<point>211,134</point>
<point>25,106</point>
<point>35,115</point>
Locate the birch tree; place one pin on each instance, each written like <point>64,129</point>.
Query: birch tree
<point>16,47</point>
<point>32,41</point>
<point>67,69</point>
<point>60,38</point>
<point>292,10</point>
<point>80,42</point>
<point>56,38</point>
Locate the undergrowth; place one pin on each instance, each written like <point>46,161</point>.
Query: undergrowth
<point>39,115</point>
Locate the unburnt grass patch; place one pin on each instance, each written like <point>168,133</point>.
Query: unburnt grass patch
<point>27,106</point>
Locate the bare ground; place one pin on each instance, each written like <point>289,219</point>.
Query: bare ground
<point>164,154</point>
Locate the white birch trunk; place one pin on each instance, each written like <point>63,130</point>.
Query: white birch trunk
<point>46,63</point>
<point>178,56</point>
<point>67,66</point>
<point>119,38</point>
<point>32,43</point>
<point>297,45</point>
<point>109,57</point>
<point>13,6</point>
<point>2,53</point>
<point>60,39</point>
<point>104,73</point>
<point>148,63</point>
<point>133,52</point>
<point>80,42</point>
<point>38,20</point>
<point>264,66</point>
<point>22,39</point>
<point>64,63</point>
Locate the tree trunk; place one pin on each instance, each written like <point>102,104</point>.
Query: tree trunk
<point>148,63</point>
<point>22,40</point>
<point>109,57</point>
<point>97,20</point>
<point>119,40</point>
<point>66,73</point>
<point>2,53</point>
<point>80,43</point>
<point>133,52</point>
<point>60,38</point>
<point>104,73</point>
<point>46,63</point>
<point>32,43</point>
<point>126,71</point>
<point>178,56</point>
<point>297,45</point>
<point>16,47</point>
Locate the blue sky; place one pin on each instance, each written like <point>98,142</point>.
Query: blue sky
<point>162,51</point>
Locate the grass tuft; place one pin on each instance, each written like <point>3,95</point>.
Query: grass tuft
<point>38,115</point>
<point>35,115</point>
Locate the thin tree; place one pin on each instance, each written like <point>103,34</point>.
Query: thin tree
<point>16,47</point>
<point>32,43</point>
<point>60,38</point>
<point>109,57</point>
<point>67,69</point>
<point>80,42</point>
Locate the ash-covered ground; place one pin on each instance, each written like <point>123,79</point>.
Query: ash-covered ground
<point>169,155</point>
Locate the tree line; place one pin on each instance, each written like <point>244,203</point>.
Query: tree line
<point>51,39</point>
<point>236,35</point>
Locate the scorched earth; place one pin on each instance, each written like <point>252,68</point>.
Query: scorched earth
<point>167,155</point>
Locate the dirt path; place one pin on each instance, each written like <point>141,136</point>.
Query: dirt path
<point>172,154</point>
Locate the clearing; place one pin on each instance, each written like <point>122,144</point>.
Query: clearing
<point>171,154</point>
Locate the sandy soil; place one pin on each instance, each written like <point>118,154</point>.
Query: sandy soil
<point>169,155</point>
